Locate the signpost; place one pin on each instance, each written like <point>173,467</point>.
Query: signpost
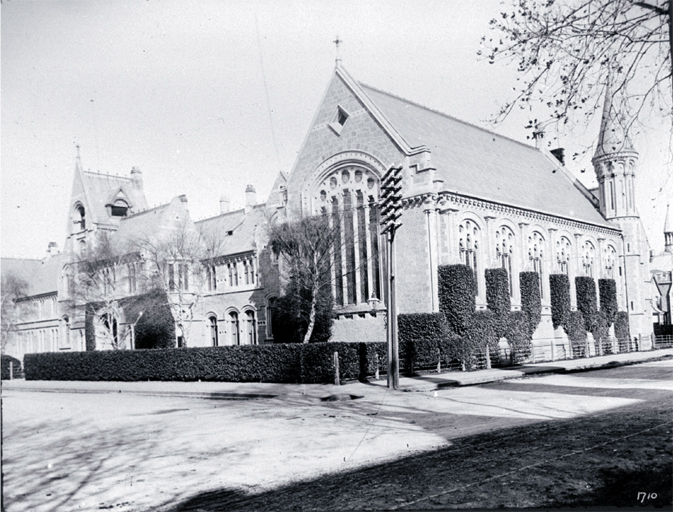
<point>391,204</point>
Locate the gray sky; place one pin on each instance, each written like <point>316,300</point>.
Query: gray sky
<point>208,96</point>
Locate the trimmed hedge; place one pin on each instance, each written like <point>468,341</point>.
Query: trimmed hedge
<point>585,288</point>
<point>16,367</point>
<point>420,337</point>
<point>576,332</point>
<point>622,330</point>
<point>531,303</point>
<point>559,285</point>
<point>600,330</point>
<point>456,296</point>
<point>313,362</point>
<point>519,336</point>
<point>482,333</point>
<point>607,292</point>
<point>497,293</point>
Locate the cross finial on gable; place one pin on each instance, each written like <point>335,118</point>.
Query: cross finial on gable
<point>337,42</point>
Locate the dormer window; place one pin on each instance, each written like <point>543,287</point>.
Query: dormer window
<point>338,120</point>
<point>119,208</point>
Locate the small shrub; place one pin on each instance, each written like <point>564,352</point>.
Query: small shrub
<point>531,303</point>
<point>586,299</point>
<point>607,291</point>
<point>559,285</point>
<point>456,296</point>
<point>16,367</point>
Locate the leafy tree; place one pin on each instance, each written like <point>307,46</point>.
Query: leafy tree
<point>13,287</point>
<point>567,51</point>
<point>304,248</point>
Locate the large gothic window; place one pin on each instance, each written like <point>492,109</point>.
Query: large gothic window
<point>536,256</point>
<point>563,255</point>
<point>588,253</point>
<point>504,251</point>
<point>350,197</point>
<point>468,245</point>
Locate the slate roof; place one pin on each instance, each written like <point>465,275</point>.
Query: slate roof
<point>100,190</point>
<point>242,227</point>
<point>476,162</point>
<point>41,275</point>
<point>140,225</point>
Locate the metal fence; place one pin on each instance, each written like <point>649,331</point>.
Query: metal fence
<point>554,350</point>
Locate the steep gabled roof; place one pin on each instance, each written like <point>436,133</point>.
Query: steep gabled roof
<point>100,189</point>
<point>478,163</point>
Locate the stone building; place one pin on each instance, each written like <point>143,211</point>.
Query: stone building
<point>470,196</point>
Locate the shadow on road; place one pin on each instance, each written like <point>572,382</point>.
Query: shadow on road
<point>600,460</point>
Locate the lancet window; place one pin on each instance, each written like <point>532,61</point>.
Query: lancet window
<point>468,245</point>
<point>563,255</point>
<point>588,253</point>
<point>609,257</point>
<point>536,256</point>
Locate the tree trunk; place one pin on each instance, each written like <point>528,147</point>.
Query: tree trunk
<point>311,321</point>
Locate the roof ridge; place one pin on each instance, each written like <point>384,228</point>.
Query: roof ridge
<point>444,114</point>
<point>258,205</point>
<point>136,214</point>
<point>20,259</point>
<point>116,176</point>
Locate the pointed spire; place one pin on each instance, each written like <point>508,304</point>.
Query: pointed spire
<point>78,161</point>
<point>613,137</point>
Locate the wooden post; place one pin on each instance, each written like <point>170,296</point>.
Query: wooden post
<point>337,382</point>
<point>488,357</point>
<point>11,370</point>
<point>439,361</point>
<point>553,350</point>
<point>376,361</point>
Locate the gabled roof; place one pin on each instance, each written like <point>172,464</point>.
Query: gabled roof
<point>140,226</point>
<point>232,232</point>
<point>478,163</point>
<point>41,275</point>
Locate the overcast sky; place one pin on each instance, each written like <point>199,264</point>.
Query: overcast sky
<point>206,97</point>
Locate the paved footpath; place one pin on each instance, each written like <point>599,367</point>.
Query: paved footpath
<point>251,390</point>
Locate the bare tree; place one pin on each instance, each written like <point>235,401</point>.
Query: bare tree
<point>567,51</point>
<point>98,283</point>
<point>13,288</point>
<point>176,261</point>
<point>305,248</point>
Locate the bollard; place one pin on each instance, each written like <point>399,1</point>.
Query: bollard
<point>11,370</point>
<point>376,361</point>
<point>337,382</point>
<point>439,361</point>
<point>488,358</point>
<point>553,350</point>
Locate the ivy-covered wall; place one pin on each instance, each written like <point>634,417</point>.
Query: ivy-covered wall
<point>586,300</point>
<point>607,292</point>
<point>531,302</point>
<point>456,296</point>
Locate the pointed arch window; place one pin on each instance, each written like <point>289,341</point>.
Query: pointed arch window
<point>563,255</point>
<point>504,251</point>
<point>609,257</point>
<point>468,246</point>
<point>588,253</point>
<point>79,217</point>
<point>349,195</point>
<point>250,328</point>
<point>536,257</point>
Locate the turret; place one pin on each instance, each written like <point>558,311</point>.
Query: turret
<point>615,162</point>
